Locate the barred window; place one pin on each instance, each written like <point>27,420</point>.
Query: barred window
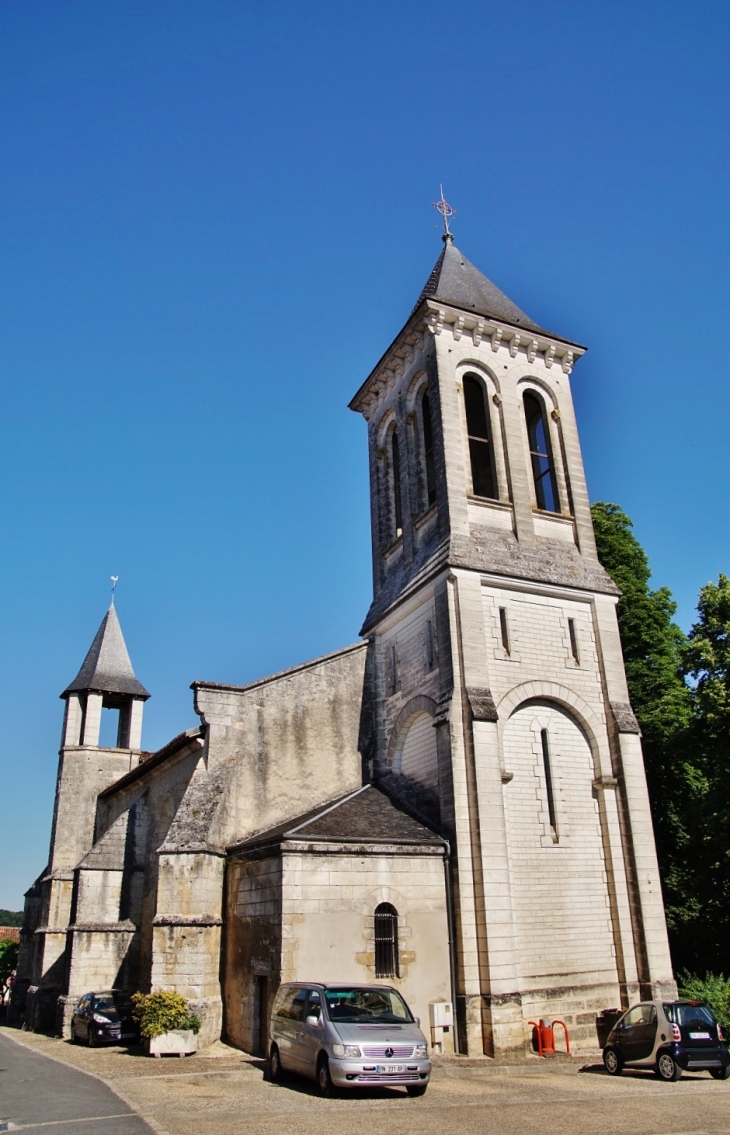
<point>386,941</point>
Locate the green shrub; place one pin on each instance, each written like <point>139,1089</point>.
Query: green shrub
<point>713,988</point>
<point>163,1012</point>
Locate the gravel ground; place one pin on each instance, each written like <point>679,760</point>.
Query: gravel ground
<point>224,1093</point>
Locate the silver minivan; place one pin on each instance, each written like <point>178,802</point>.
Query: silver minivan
<point>347,1036</point>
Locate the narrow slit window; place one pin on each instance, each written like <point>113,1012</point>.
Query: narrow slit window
<point>428,450</point>
<point>386,941</point>
<point>480,439</point>
<point>397,501</point>
<point>504,629</point>
<point>541,458</point>
<point>548,780</point>
<point>393,670</point>
<point>430,654</point>
<point>573,641</point>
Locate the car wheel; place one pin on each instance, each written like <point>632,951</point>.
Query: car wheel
<point>416,1089</point>
<point>720,1073</point>
<point>276,1072</point>
<point>90,1038</point>
<point>667,1067</point>
<point>324,1080</point>
<point>612,1062</point>
<point>74,1034</point>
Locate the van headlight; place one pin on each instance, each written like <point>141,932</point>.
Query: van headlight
<point>421,1051</point>
<point>345,1050</point>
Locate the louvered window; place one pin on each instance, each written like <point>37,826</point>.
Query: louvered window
<point>386,941</point>
<point>543,467</point>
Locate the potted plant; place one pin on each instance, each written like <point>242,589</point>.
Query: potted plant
<point>166,1023</point>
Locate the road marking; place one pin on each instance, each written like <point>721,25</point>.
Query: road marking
<point>58,1122</point>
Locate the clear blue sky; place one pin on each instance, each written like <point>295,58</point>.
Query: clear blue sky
<point>214,216</point>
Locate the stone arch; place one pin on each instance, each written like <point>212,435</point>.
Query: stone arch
<point>593,725</point>
<point>413,707</point>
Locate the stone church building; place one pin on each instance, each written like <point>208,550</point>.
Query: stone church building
<point>456,804</point>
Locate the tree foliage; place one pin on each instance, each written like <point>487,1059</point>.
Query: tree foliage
<point>679,687</point>
<point>11,917</point>
<point>8,963</point>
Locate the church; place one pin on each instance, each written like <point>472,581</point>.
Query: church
<point>455,805</point>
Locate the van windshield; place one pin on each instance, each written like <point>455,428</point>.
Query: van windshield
<point>367,1006</point>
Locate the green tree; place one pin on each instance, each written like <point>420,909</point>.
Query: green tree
<point>707,664</point>
<point>653,647</point>
<point>8,963</point>
<point>11,917</point>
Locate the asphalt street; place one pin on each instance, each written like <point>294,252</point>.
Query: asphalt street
<point>223,1092</point>
<point>40,1094</point>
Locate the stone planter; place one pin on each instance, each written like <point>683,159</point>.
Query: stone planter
<point>179,1042</point>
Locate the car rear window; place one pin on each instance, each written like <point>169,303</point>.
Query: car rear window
<point>683,1014</point>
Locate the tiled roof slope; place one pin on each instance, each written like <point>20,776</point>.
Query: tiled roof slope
<point>107,668</point>
<point>459,283</point>
<point>365,816</point>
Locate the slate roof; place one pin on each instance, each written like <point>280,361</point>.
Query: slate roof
<point>459,283</point>
<point>364,816</point>
<point>107,668</point>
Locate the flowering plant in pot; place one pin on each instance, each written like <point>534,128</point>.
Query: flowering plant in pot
<point>166,1023</point>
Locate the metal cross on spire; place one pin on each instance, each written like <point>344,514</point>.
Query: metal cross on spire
<point>115,581</point>
<point>446,211</point>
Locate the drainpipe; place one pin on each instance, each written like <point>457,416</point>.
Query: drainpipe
<point>452,942</point>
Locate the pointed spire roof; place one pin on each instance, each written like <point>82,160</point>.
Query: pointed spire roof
<point>107,668</point>
<point>459,283</point>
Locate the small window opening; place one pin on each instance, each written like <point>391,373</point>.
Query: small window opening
<point>430,653</point>
<point>393,669</point>
<point>397,501</point>
<point>428,450</point>
<point>386,941</point>
<point>504,629</point>
<point>548,781</point>
<point>543,471</point>
<point>573,641</point>
<point>480,441</point>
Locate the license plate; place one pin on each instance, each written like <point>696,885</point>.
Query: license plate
<point>127,1036</point>
<point>699,1036</point>
<point>389,1068</point>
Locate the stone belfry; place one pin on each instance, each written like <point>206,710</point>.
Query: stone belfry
<point>502,707</point>
<point>106,680</point>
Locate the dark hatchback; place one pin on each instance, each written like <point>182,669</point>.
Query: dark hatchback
<point>104,1017</point>
<point>670,1037</point>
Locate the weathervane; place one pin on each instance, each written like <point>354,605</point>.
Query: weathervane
<point>115,581</point>
<point>446,211</point>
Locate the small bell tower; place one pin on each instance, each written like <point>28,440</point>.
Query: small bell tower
<point>106,680</point>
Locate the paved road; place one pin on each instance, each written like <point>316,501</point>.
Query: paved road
<point>42,1095</point>
<point>228,1096</point>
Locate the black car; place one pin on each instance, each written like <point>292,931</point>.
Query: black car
<point>104,1016</point>
<point>670,1037</point>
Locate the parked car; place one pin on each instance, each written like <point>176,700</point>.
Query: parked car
<point>104,1016</point>
<point>347,1036</point>
<point>671,1037</point>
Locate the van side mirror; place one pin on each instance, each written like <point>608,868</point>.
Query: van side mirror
<point>418,1021</point>
<point>313,1020</point>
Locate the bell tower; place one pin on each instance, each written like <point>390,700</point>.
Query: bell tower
<point>106,680</point>
<point>503,712</point>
